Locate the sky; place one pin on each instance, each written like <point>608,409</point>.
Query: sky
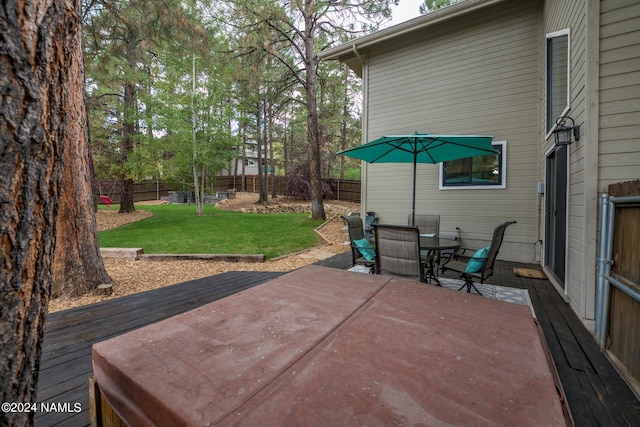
<point>406,9</point>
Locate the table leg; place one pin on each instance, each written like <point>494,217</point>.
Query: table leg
<point>432,271</point>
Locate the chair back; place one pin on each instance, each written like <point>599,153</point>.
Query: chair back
<point>398,251</point>
<point>427,224</point>
<point>496,242</point>
<point>356,232</point>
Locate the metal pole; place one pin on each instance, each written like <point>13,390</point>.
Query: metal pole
<point>602,261</point>
<point>626,199</point>
<point>413,206</point>
<point>624,288</point>
<point>607,271</point>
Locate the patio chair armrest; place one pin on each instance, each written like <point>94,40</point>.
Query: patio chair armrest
<point>464,254</point>
<point>459,254</point>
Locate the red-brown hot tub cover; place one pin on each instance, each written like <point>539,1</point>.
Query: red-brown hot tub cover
<point>322,346</point>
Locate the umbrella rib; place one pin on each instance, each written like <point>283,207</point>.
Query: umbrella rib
<point>392,147</point>
<point>458,144</point>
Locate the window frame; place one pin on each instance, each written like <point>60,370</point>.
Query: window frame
<point>550,127</point>
<point>502,164</point>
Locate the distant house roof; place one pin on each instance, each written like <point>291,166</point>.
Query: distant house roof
<point>349,52</point>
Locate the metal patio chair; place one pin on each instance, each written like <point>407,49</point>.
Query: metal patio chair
<point>479,266</point>
<point>359,255</point>
<point>427,224</point>
<point>398,251</point>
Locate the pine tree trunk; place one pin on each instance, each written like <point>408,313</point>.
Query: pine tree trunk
<point>343,124</point>
<point>78,267</point>
<point>272,163</point>
<point>128,126</point>
<point>317,207</point>
<point>39,53</point>
<point>262,185</point>
<point>126,196</point>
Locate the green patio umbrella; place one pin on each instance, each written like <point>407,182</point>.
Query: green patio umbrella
<point>421,148</point>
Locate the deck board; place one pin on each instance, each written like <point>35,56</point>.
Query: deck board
<point>596,393</point>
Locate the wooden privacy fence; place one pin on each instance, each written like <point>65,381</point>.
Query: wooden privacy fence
<point>342,189</point>
<point>146,190</point>
<point>622,270</point>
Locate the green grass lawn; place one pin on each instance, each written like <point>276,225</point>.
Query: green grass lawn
<point>176,229</point>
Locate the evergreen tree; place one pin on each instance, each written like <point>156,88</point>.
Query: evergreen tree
<point>431,5</point>
<point>298,29</point>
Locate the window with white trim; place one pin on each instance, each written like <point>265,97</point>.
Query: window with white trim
<point>488,171</point>
<point>557,77</point>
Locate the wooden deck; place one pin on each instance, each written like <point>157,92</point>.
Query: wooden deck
<point>597,394</point>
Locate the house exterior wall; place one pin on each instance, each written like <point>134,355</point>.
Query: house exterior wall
<point>579,281</point>
<point>480,67</point>
<point>248,169</point>
<point>619,92</point>
<point>605,101</point>
<point>250,161</point>
<point>477,74</point>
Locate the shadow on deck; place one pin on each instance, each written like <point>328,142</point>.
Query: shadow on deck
<point>597,394</point>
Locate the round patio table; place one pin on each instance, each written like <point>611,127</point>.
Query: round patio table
<point>431,243</point>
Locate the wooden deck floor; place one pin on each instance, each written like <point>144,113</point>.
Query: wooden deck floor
<point>596,393</point>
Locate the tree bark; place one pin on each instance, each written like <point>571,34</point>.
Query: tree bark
<point>128,126</point>
<point>317,207</point>
<point>272,163</point>
<point>313,126</point>
<point>260,139</point>
<point>128,131</point>
<point>244,155</point>
<point>343,123</point>
<point>39,51</point>
<point>78,266</point>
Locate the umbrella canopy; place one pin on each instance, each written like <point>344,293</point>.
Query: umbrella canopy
<point>421,148</point>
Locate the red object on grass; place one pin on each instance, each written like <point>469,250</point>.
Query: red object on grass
<point>106,200</point>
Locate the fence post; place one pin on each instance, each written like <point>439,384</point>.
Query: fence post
<point>602,263</point>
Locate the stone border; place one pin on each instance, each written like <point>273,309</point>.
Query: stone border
<point>138,254</point>
<point>252,258</point>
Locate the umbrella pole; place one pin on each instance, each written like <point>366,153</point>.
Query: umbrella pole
<point>413,206</point>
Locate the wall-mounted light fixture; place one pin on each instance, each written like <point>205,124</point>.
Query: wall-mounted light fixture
<point>562,132</point>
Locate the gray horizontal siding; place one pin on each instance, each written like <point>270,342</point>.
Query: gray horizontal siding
<point>560,15</point>
<point>619,124</point>
<point>478,75</point>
